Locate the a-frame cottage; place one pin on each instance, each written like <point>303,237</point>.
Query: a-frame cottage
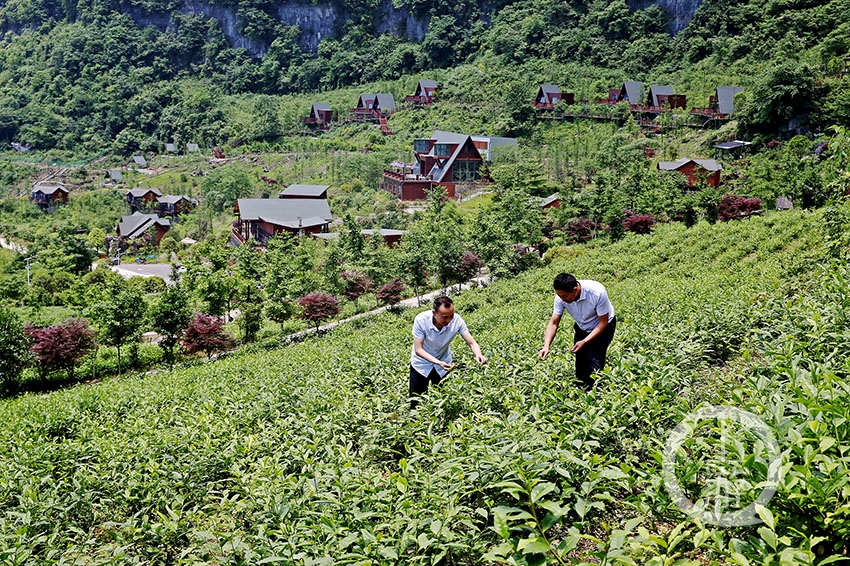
<point>549,95</point>
<point>693,169</point>
<point>631,92</point>
<point>321,115</point>
<point>721,104</point>
<point>664,97</point>
<point>424,95</point>
<point>446,159</point>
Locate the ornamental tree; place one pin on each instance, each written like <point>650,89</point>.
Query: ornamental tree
<point>60,347</point>
<point>638,223</point>
<point>206,334</point>
<point>355,285</point>
<point>733,207</point>
<point>318,306</point>
<point>391,293</point>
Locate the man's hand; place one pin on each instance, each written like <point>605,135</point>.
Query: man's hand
<point>447,367</point>
<point>543,353</point>
<point>577,346</point>
<point>481,359</point>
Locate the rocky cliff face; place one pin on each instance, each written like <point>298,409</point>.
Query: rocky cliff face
<point>318,21</point>
<point>681,11</point>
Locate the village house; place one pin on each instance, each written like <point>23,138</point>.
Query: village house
<point>138,225</point>
<point>49,195</point>
<point>424,95</point>
<point>375,103</point>
<point>174,205</point>
<point>305,191</point>
<point>321,115</point>
<point>721,104</point>
<point>631,92</point>
<point>549,95</point>
<point>694,169</point>
<point>142,198</point>
<point>262,219</point>
<point>447,159</point>
<point>552,201</point>
<point>664,97</point>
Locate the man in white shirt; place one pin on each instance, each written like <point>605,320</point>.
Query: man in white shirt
<point>588,303</point>
<point>431,357</point>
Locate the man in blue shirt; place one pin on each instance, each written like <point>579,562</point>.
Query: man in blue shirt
<point>431,357</point>
<point>588,304</point>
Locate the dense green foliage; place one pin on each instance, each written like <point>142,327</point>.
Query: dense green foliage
<point>308,454</point>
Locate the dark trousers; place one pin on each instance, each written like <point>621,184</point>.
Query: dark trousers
<point>419,384</point>
<point>591,358</point>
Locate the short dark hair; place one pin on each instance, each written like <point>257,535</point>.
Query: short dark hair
<point>565,282</point>
<point>443,301</point>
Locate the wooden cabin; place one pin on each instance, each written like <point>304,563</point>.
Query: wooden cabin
<point>424,95</point>
<point>321,115</point>
<point>138,225</point>
<point>262,219</point>
<point>549,95</point>
<point>693,169</point>
<point>49,195</point>
<point>305,191</point>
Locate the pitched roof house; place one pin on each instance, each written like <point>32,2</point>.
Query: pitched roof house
<point>693,169</point>
<point>382,103</point>
<point>305,191</point>
<point>46,195</point>
<point>261,219</point>
<point>424,95</point>
<point>631,91</point>
<point>663,96</point>
<point>174,205</point>
<point>446,159</point>
<point>321,115</point>
<point>138,224</point>
<point>142,197</point>
<point>549,95</point>
<point>721,104</point>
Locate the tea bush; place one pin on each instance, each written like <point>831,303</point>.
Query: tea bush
<point>308,454</point>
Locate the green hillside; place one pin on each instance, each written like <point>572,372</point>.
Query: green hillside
<point>308,454</point>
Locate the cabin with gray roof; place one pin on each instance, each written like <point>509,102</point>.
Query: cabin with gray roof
<point>447,159</point>
<point>721,104</point>
<point>549,95</point>
<point>380,103</point>
<point>142,198</point>
<point>305,191</point>
<point>175,205</point>
<point>48,195</point>
<point>262,219</point>
<point>631,92</point>
<point>321,115</point>
<point>426,90</point>
<point>139,224</point>
<point>694,169</point>
<point>662,96</point>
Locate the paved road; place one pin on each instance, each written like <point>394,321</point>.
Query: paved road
<point>127,270</point>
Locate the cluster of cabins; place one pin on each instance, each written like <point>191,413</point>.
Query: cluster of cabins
<point>657,98</point>
<point>146,206</point>
<point>299,210</point>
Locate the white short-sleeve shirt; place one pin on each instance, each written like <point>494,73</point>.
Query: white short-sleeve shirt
<point>436,341</point>
<point>591,304</point>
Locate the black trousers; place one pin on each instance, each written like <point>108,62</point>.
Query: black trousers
<point>419,384</point>
<point>591,358</point>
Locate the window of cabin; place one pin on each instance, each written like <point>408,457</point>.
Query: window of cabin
<point>441,150</point>
<point>466,171</point>
<point>420,145</point>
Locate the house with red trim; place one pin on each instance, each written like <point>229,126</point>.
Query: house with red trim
<point>142,198</point>
<point>424,95</point>
<point>138,225</point>
<point>446,159</point>
<point>175,205</point>
<point>263,218</point>
<point>48,195</point>
<point>549,95</point>
<point>552,201</point>
<point>721,104</point>
<point>693,169</point>
<point>631,92</point>
<point>663,97</point>
<point>321,115</point>
<point>383,104</point>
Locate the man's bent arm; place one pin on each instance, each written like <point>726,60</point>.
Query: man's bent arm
<point>476,349</point>
<point>597,330</point>
<point>551,330</point>
<point>419,349</point>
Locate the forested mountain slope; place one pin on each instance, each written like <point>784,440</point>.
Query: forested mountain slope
<point>82,75</point>
<point>309,455</point>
